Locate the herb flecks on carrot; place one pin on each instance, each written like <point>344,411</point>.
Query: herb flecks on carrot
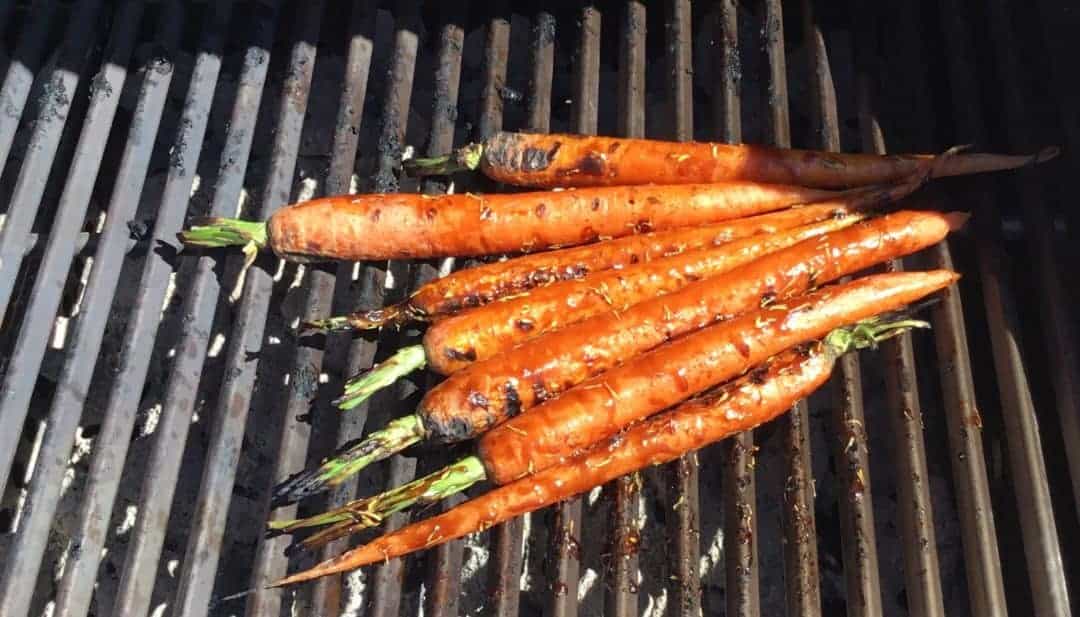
<point>755,398</point>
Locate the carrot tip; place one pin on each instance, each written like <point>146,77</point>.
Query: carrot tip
<point>1046,154</point>
<point>957,220</point>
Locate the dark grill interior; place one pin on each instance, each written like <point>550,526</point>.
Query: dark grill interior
<point>148,402</point>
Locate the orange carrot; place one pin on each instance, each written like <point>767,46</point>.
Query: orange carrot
<point>554,160</point>
<point>488,392</point>
<point>480,285</point>
<point>689,366</point>
<point>412,226</point>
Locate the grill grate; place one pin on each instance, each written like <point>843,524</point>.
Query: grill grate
<point>180,418</point>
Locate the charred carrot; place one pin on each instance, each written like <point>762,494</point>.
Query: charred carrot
<point>488,392</point>
<point>413,226</point>
<point>454,343</point>
<point>758,396</point>
<point>480,285</point>
<point>554,160</point>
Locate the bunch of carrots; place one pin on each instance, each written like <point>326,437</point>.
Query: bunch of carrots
<point>670,296</point>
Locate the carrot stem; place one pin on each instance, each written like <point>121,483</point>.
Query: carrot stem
<point>396,436</point>
<point>364,513</point>
<point>367,320</point>
<point>359,388</point>
<point>214,232</point>
<point>466,158</point>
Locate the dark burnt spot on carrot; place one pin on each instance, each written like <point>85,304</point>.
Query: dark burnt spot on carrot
<point>375,215</point>
<point>595,204</point>
<point>758,375</point>
<point>613,147</point>
<point>768,298</point>
<point>541,210</point>
<point>534,159</point>
<point>540,391</point>
<point>589,235</point>
<point>592,164</point>
<point>693,277</point>
<point>643,226</point>
<point>513,401</point>
<point>652,200</point>
<point>468,355</point>
<point>432,213</point>
<point>477,399</point>
<point>524,325</point>
<point>634,259</point>
<point>472,300</point>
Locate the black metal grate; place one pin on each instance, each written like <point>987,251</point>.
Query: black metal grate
<point>149,400</point>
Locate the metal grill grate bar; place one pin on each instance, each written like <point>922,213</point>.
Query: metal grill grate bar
<point>1045,572</point>
<point>159,485</point>
<point>196,581</point>
<point>76,587</point>
<point>620,592</point>
<point>20,72</point>
<point>75,379</point>
<point>57,96</point>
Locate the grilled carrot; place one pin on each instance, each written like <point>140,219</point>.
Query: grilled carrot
<point>554,160</point>
<point>758,396</point>
<point>480,285</point>
<point>413,226</point>
<point>488,392</point>
<point>456,342</point>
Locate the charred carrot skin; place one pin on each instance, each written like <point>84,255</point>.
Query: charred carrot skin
<point>480,285</point>
<point>480,396</point>
<point>457,341</point>
<point>409,226</point>
<point>753,399</point>
<point>669,374</point>
<point>553,160</point>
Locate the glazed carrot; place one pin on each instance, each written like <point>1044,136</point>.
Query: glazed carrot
<point>554,160</point>
<point>455,342</point>
<point>414,226</point>
<point>758,396</point>
<point>488,392</point>
<point>480,285</point>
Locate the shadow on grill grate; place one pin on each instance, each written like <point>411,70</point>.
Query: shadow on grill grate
<point>150,399</point>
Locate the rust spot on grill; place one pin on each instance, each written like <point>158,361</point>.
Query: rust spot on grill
<point>477,399</point>
<point>468,355</point>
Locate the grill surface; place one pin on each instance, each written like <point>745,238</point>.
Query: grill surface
<point>144,425</point>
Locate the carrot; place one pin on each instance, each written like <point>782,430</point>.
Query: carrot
<point>455,342</point>
<point>414,226</point>
<point>488,392</point>
<point>758,396</point>
<point>480,285</point>
<point>554,160</point>
<point>458,341</point>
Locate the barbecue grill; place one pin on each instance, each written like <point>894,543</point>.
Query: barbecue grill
<point>150,398</point>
